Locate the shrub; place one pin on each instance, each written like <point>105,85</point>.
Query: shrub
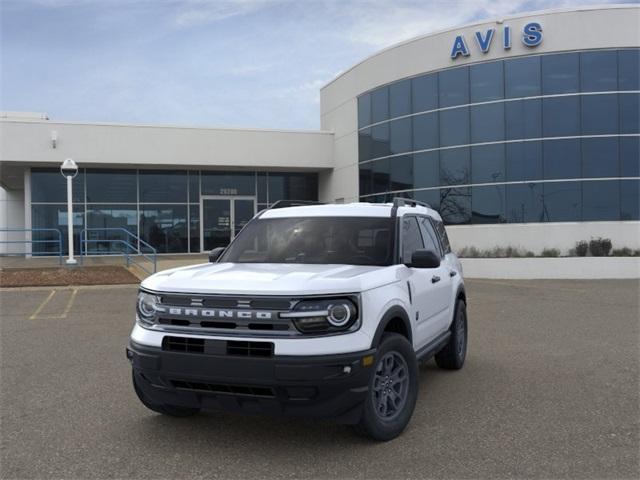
<point>581,249</point>
<point>625,252</point>
<point>550,252</point>
<point>600,247</point>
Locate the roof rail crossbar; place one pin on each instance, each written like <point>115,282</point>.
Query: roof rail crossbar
<point>406,202</point>
<point>293,203</point>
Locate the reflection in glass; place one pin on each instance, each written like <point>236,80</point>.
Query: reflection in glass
<point>380,105</point>
<point>487,81</point>
<point>522,77</point>
<point>365,179</point>
<point>194,228</point>
<point>424,93</point>
<point>380,173</point>
<point>112,186</point>
<point>48,185</point>
<point>488,204</point>
<point>228,183</point>
<point>561,159</point>
<point>425,131</point>
<point>523,119</point>
<point>487,123</point>
<point>599,71</point>
<point>562,201</point>
<point>524,203</point>
<point>454,127</point>
<point>600,157</point>
<point>380,141</point>
<point>364,110</point>
<point>194,186</point>
<point>293,186</point>
<point>455,205</point>
<point>599,114</point>
<point>454,87</point>
<point>630,157</point>
<point>561,116</point>
<point>400,135</point>
<point>523,161</point>
<point>165,227</point>
<point>430,197</point>
<point>365,145</point>
<point>629,199</point>
<point>560,73</point>
<point>167,186</point>
<point>487,164</point>
<point>629,113</point>
<point>116,218</point>
<point>629,69</point>
<point>455,166</point>
<point>400,98</point>
<point>426,169</point>
<point>53,216</point>
<point>601,200</point>
<point>401,172</point>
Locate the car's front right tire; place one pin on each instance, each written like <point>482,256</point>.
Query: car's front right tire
<point>393,390</point>
<point>164,409</point>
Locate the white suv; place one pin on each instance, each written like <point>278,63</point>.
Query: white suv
<point>315,310</point>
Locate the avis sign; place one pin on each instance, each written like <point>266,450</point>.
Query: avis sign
<point>531,37</point>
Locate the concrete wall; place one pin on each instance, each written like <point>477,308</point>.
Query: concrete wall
<point>11,216</point>
<point>538,236</point>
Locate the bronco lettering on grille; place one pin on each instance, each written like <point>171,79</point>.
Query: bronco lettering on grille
<point>215,313</point>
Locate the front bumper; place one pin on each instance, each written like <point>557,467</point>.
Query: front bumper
<point>326,386</point>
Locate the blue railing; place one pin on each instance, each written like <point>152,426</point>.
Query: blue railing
<point>131,247</point>
<point>57,241</point>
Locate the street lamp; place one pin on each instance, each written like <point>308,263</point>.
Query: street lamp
<point>69,170</point>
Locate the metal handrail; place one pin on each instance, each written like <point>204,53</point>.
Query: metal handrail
<point>129,248</point>
<point>32,241</point>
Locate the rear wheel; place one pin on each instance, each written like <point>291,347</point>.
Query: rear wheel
<point>452,356</point>
<point>164,409</point>
<point>393,390</point>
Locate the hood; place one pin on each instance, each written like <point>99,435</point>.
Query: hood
<point>270,279</point>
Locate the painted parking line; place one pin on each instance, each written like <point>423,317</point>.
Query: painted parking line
<point>38,313</point>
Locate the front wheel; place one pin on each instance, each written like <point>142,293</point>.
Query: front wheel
<point>452,356</point>
<point>164,409</point>
<point>393,390</point>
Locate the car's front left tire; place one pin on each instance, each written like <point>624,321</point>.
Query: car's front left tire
<point>164,409</point>
<point>393,390</point>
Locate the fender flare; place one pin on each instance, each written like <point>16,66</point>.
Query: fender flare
<point>395,311</point>
<point>461,294</point>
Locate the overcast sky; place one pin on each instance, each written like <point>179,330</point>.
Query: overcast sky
<point>235,63</point>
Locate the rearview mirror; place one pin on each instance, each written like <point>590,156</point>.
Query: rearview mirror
<point>424,259</point>
<point>215,254</point>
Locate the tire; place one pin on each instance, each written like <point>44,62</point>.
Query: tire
<point>452,356</point>
<point>385,415</point>
<point>164,409</point>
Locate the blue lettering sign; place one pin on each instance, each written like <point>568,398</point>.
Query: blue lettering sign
<point>459,47</point>
<point>485,42</point>
<point>532,34</point>
<point>506,37</point>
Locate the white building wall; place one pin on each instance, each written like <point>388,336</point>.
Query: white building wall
<point>11,217</point>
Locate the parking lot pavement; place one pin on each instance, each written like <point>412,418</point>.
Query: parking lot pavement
<point>550,390</point>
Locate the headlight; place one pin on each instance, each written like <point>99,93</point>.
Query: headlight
<point>146,307</point>
<point>324,315</point>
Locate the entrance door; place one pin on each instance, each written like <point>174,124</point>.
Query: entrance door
<point>222,218</point>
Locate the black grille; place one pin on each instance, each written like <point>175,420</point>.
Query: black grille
<point>250,349</point>
<point>183,344</point>
<point>248,390</point>
<point>227,302</point>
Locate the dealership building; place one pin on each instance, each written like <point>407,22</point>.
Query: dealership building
<point>522,131</point>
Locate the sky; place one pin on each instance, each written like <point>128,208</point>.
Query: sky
<point>219,63</point>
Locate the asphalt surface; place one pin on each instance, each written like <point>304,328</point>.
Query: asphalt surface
<point>549,390</point>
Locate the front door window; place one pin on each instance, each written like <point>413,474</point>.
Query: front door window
<point>223,218</point>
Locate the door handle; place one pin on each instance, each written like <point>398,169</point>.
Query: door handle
<point>435,279</point>
<point>453,273</point>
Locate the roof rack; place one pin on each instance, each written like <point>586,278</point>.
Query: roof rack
<point>406,202</point>
<point>293,203</point>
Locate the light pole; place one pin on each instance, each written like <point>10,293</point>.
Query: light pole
<point>69,170</point>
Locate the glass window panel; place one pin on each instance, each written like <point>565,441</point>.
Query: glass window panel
<point>561,116</point>
<point>425,131</point>
<point>380,141</point>
<point>455,168</point>
<point>365,178</point>
<point>629,113</point>
<point>233,183</point>
<point>487,81</point>
<point>424,93</point>
<point>561,159</point>
<point>487,123</point>
<point>411,238</point>
<point>560,73</point>
<point>522,77</point>
<point>630,156</point>
<point>53,216</point>
<point>454,127</point>
<point>455,205</point>
<point>380,173</point>
<point>629,200</point>
<point>454,87</point>
<point>562,201</point>
<point>523,119</point>
<point>119,219</point>
<point>48,185</point>
<point>400,98</point>
<point>599,71</point>
<point>629,69</point>
<point>365,145</point>
<point>261,185</point>
<point>523,161</point>
<point>430,197</point>
<point>380,105</point>
<point>401,172</point>
<point>293,186</point>
<point>105,186</point>
<point>488,204</point>
<point>364,110</point>
<point>429,236</point>
<point>194,186</point>
<point>487,164</point>
<point>400,135</point>
<point>426,169</point>
<point>524,203</point>
<point>166,186</point>
<point>601,200</point>
<point>599,114</point>
<point>600,157</point>
<point>194,228</point>
<point>165,227</point>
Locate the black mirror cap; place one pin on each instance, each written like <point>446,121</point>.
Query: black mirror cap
<point>215,254</point>
<point>424,259</point>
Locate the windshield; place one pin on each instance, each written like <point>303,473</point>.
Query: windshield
<point>343,240</point>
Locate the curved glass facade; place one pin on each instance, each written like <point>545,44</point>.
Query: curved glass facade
<point>541,138</point>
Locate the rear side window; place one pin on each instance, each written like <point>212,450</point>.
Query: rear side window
<point>411,238</point>
<point>442,233</point>
<point>429,236</point>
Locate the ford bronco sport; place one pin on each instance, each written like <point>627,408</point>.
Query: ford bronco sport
<point>317,310</point>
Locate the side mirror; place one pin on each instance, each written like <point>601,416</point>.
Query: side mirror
<point>215,254</point>
<point>424,259</point>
